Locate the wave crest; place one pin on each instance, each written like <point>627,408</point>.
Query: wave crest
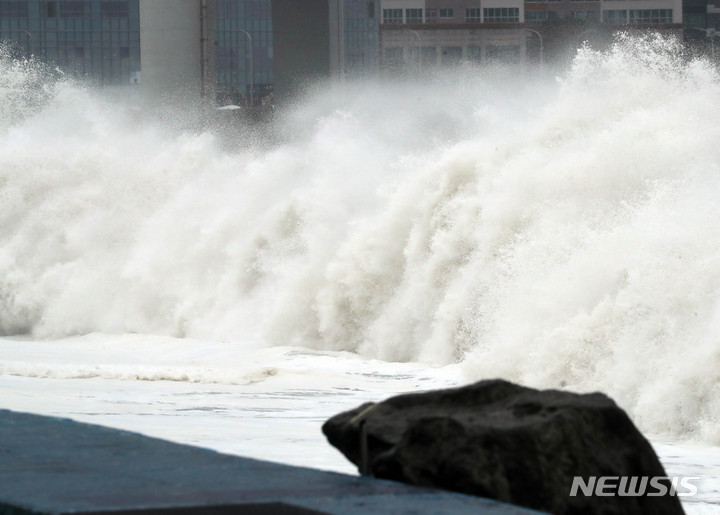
<point>551,232</point>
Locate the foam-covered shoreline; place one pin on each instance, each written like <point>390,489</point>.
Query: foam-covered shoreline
<point>276,419</point>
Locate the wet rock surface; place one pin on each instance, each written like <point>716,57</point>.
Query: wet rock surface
<point>515,444</point>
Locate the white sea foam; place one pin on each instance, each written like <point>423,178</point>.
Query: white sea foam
<point>553,231</point>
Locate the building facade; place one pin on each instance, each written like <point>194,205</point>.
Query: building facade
<point>418,34</point>
<point>431,33</point>
<point>361,37</point>
<point>317,39</point>
<point>165,44</point>
<point>244,50</point>
<point>98,40</point>
<point>613,12</point>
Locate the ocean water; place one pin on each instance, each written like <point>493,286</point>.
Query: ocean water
<point>167,271</point>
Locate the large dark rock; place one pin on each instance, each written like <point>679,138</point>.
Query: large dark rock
<point>503,441</point>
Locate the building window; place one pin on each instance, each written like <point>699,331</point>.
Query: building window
<point>584,15</point>
<point>615,16</point>
<point>536,16</point>
<point>541,16</point>
<point>501,14</point>
<point>226,9</point>
<point>503,54</point>
<point>371,9</point>
<point>115,9</point>
<point>429,55</point>
<point>651,16</point>
<point>392,16</point>
<point>472,16</point>
<point>431,15</point>
<point>393,57</point>
<point>256,9</point>
<point>72,9</point>
<point>13,9</point>
<point>474,54</point>
<point>446,13</point>
<point>450,55</point>
<point>413,15</point>
<point>111,52</point>
<point>51,9</point>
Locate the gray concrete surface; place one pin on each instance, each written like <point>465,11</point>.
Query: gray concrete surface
<point>55,466</point>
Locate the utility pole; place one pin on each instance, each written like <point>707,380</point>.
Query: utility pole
<point>541,45</point>
<point>249,57</point>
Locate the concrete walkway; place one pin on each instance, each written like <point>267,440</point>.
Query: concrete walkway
<point>55,466</point>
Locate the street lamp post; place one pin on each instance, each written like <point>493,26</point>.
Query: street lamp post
<point>250,54</point>
<point>30,40</point>
<point>541,44</point>
<point>711,34</point>
<point>419,47</point>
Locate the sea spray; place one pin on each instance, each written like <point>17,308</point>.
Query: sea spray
<point>557,232</point>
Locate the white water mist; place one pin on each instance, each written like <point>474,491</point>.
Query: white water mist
<point>556,232</point>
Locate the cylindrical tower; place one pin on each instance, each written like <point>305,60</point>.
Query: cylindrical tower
<point>177,47</point>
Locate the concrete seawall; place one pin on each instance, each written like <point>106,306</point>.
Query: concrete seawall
<point>56,466</point>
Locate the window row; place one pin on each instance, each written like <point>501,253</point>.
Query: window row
<point>512,15</point>
<point>397,57</point>
<point>545,1</point>
<point>227,9</point>
<point>472,15</point>
<point>433,14</point>
<point>83,8</point>
<point>546,16</point>
<point>13,9</point>
<point>359,9</point>
<point>638,16</point>
<point>618,16</point>
<point>501,15</point>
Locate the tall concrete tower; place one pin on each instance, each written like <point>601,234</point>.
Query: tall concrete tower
<point>177,48</point>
